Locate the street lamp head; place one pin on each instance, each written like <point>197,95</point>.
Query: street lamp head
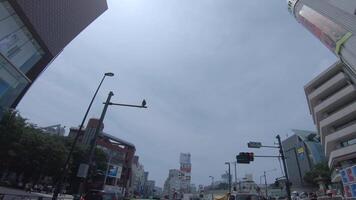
<point>227,163</point>
<point>109,74</point>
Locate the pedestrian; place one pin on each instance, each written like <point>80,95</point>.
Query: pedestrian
<point>28,187</point>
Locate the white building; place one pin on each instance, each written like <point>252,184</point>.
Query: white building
<point>332,103</point>
<point>173,182</point>
<point>54,130</point>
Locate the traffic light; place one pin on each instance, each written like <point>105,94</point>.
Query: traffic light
<point>245,157</point>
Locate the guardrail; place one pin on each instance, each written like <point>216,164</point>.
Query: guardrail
<point>30,197</point>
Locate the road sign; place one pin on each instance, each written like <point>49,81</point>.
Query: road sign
<point>254,145</point>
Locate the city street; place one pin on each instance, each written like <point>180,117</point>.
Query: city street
<point>177,99</point>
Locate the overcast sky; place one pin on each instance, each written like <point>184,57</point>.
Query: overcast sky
<point>215,73</point>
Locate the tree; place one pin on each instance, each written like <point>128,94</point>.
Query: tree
<point>28,152</point>
<point>319,171</point>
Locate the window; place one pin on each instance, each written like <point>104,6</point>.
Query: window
<point>16,43</point>
<point>12,82</point>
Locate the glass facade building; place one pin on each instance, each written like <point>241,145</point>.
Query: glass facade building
<point>19,52</point>
<point>31,38</point>
<point>303,150</point>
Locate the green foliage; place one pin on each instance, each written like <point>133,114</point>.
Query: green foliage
<point>320,171</point>
<point>26,150</point>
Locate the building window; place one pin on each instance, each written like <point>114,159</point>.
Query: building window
<point>12,83</point>
<point>348,143</point>
<point>17,44</point>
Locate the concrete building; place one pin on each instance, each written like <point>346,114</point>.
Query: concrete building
<point>149,189</point>
<point>332,103</point>
<point>302,150</point>
<point>120,154</point>
<point>333,22</point>
<point>186,169</point>
<point>32,34</point>
<point>172,185</point>
<point>54,130</point>
<point>138,177</point>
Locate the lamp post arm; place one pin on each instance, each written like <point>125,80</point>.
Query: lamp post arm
<point>127,105</point>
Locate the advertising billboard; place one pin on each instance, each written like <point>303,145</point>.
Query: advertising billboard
<point>186,168</point>
<point>114,171</point>
<point>348,177</point>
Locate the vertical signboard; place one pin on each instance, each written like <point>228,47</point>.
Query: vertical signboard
<point>114,171</point>
<point>348,177</point>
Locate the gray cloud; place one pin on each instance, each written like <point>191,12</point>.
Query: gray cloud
<point>216,74</point>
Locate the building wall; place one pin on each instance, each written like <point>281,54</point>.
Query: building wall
<point>59,22</point>
<point>348,6</point>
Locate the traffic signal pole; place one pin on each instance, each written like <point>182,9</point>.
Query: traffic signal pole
<point>258,145</point>
<point>284,166</point>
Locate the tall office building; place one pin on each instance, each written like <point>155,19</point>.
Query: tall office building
<point>332,103</point>
<point>333,22</point>
<point>32,34</point>
<point>186,169</point>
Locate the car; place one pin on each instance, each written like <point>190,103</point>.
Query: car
<point>103,195</point>
<point>244,196</point>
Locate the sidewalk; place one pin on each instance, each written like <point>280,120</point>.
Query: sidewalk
<point>15,192</point>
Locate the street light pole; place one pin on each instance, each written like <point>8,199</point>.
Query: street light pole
<point>228,163</point>
<point>64,169</point>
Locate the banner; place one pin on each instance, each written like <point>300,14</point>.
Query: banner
<point>348,177</point>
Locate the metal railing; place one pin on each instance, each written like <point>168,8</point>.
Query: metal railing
<point>30,197</point>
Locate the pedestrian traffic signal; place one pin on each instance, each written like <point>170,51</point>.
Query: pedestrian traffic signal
<point>245,157</point>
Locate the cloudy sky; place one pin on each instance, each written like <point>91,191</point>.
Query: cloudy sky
<point>215,73</point>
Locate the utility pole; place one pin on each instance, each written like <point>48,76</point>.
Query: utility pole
<point>264,174</point>
<point>284,166</point>
<point>93,143</point>
<point>235,165</point>
<point>228,163</point>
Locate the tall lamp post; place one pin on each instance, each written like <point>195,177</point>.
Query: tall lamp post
<point>64,169</point>
<point>228,164</point>
<point>97,130</point>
